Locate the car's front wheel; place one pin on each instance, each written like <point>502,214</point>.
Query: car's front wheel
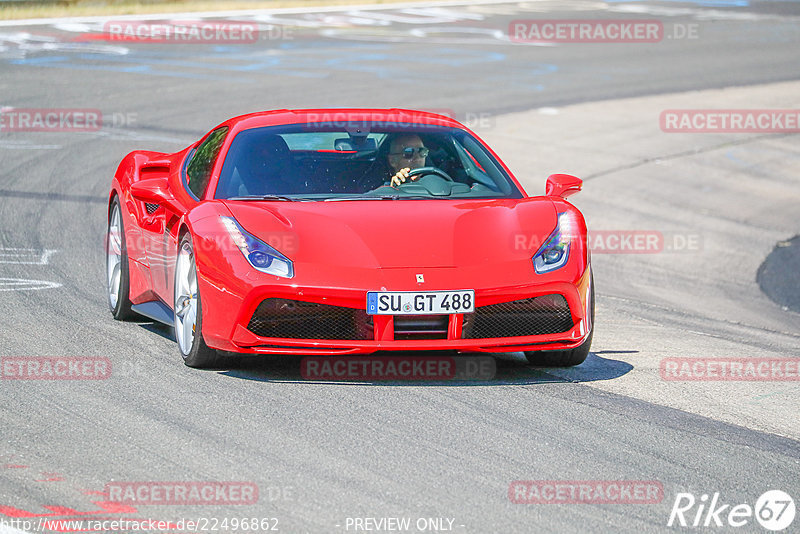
<point>117,275</point>
<point>188,311</point>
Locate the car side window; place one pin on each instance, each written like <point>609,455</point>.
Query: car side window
<point>198,171</point>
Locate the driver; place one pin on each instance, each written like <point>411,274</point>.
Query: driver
<point>406,152</point>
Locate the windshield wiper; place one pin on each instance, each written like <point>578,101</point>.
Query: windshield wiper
<point>358,197</point>
<point>380,197</point>
<point>407,197</point>
<point>265,197</point>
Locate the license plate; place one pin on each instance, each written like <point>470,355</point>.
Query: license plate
<point>420,303</point>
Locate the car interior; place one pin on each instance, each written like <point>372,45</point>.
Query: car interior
<point>263,162</point>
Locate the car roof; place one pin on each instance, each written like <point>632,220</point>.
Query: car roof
<point>338,116</point>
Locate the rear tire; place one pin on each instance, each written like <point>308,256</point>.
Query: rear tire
<point>117,266</point>
<point>565,358</point>
<point>189,312</point>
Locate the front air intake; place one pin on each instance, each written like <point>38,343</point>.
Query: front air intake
<point>548,314</point>
<point>420,327</point>
<point>295,319</point>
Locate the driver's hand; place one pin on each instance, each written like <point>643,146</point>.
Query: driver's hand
<point>400,177</point>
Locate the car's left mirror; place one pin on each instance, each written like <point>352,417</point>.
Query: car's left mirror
<point>562,185</point>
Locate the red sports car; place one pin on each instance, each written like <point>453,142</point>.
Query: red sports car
<point>334,232</point>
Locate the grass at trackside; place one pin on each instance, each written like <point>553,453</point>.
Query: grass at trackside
<point>77,8</point>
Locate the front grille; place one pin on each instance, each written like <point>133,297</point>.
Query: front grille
<point>294,319</point>
<point>150,207</point>
<point>420,326</point>
<point>548,314</point>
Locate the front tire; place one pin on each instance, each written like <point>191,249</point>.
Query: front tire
<point>565,358</point>
<point>189,312</point>
<point>117,273</point>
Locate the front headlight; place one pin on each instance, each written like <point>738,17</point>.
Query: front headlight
<point>555,251</point>
<point>260,255</point>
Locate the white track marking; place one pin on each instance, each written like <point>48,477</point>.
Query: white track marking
<point>24,145</point>
<point>20,284</point>
<point>696,13</point>
<point>245,12</point>
<point>26,256</point>
<point>28,42</point>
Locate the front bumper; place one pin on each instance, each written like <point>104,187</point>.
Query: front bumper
<point>233,332</point>
<point>247,342</point>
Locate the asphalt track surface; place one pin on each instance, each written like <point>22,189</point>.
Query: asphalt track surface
<point>323,454</point>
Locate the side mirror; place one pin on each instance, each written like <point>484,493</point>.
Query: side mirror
<point>562,185</point>
<point>155,191</point>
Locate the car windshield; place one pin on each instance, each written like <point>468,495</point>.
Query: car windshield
<point>357,162</point>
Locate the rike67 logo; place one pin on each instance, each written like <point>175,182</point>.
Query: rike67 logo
<point>774,510</point>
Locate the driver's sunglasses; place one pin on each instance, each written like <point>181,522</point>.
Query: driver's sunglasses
<point>408,152</point>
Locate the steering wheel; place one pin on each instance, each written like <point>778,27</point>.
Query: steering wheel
<point>430,170</point>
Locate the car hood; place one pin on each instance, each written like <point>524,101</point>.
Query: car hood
<point>387,234</point>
